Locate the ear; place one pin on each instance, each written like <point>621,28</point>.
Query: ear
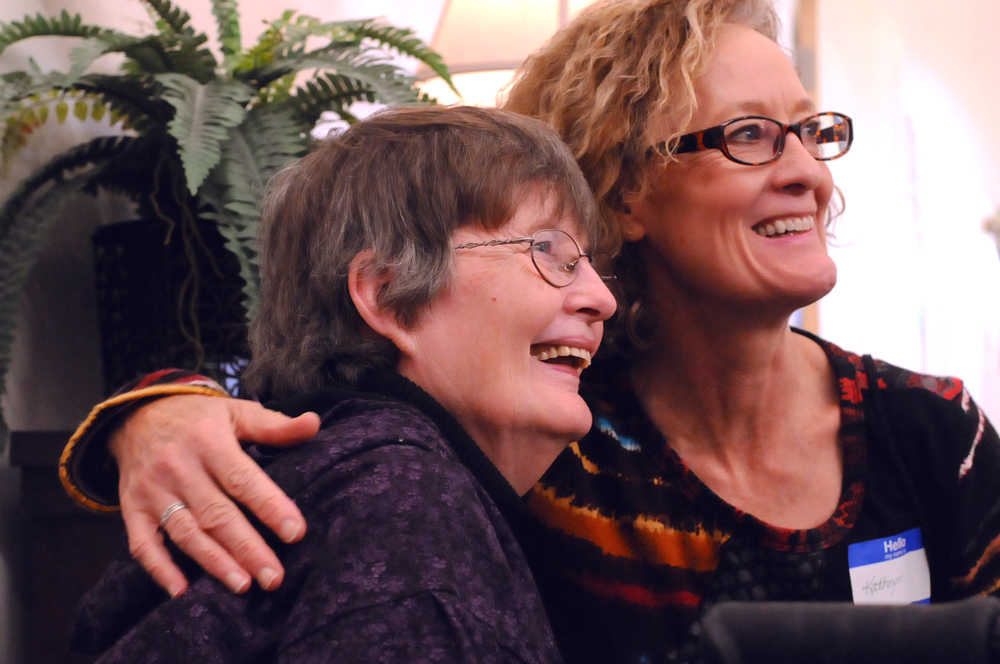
<point>364,283</point>
<point>632,226</point>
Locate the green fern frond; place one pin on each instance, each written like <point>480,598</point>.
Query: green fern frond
<point>147,56</point>
<point>265,143</point>
<point>388,83</point>
<point>134,99</point>
<point>148,172</point>
<point>404,42</point>
<point>24,84</point>
<point>26,119</point>
<point>287,36</point>
<point>198,63</point>
<point>227,19</point>
<point>154,55</point>
<point>91,154</point>
<point>21,244</point>
<point>174,19</point>
<point>64,25</point>
<point>127,100</point>
<point>182,47</point>
<point>329,92</point>
<point>262,52</point>
<point>203,114</point>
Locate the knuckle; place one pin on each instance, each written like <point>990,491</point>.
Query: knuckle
<point>143,551</point>
<point>245,549</point>
<point>216,515</point>
<point>268,506</point>
<point>183,531</point>
<point>240,480</point>
<point>160,470</point>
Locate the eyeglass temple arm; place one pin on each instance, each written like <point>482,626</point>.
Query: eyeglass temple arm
<point>700,140</point>
<point>492,243</point>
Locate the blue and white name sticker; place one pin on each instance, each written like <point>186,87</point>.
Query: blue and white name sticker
<point>890,570</point>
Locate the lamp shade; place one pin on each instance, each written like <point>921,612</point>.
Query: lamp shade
<point>484,41</point>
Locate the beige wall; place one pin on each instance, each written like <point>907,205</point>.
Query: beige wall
<point>918,276</point>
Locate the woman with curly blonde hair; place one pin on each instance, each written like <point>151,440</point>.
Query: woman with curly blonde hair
<point>732,456</point>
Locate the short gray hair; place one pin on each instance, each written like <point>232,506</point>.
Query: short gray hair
<point>399,184</point>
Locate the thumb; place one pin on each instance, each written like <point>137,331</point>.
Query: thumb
<point>252,422</point>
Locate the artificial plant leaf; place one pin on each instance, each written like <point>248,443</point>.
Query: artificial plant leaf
<point>387,81</point>
<point>405,42</point>
<point>65,25</point>
<point>174,18</point>
<point>81,110</point>
<point>227,20</point>
<point>266,142</point>
<point>184,49</point>
<point>136,98</point>
<point>330,92</point>
<point>203,114</point>
<point>95,152</point>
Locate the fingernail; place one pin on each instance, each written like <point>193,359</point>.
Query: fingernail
<point>237,582</point>
<point>266,578</point>
<point>176,590</point>
<point>290,530</point>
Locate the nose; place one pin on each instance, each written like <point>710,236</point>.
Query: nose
<point>589,295</point>
<point>797,171</point>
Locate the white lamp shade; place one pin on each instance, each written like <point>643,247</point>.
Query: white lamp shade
<point>482,42</point>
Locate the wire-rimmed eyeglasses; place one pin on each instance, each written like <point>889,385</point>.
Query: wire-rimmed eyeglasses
<point>554,253</point>
<point>756,139</point>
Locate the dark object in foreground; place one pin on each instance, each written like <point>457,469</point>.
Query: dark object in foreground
<point>955,632</point>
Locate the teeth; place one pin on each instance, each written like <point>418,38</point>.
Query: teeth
<point>782,226</point>
<point>549,352</point>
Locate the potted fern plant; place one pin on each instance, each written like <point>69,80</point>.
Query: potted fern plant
<point>192,137</point>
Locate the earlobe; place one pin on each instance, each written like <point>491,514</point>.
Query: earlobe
<point>632,228</point>
<point>630,218</point>
<point>364,283</point>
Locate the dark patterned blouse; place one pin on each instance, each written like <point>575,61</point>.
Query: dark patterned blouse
<point>408,558</point>
<point>632,548</point>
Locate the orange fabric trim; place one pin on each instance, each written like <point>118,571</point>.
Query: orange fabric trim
<point>643,538</point>
<point>170,389</point>
<point>991,550</point>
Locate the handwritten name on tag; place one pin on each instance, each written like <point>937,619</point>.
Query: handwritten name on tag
<point>890,570</point>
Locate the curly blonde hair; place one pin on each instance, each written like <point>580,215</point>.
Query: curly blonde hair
<point>601,80</point>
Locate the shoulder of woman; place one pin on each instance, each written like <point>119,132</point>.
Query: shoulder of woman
<point>355,431</point>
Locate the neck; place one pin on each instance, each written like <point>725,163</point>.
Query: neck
<point>521,457</point>
<point>728,382</point>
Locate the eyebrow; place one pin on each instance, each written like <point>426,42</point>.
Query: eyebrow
<point>803,106</point>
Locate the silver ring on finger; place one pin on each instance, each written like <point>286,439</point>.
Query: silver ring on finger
<point>172,508</point>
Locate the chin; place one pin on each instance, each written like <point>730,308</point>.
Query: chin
<point>800,289</point>
<point>573,422</point>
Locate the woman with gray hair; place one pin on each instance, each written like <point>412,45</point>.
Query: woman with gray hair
<point>402,261</point>
<point>733,456</point>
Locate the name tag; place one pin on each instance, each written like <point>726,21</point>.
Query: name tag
<point>891,570</point>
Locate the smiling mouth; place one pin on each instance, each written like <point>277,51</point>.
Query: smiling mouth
<point>578,358</point>
<point>780,227</point>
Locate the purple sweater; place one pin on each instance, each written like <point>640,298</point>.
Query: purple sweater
<point>410,556</point>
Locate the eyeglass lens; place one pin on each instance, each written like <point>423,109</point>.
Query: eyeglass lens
<point>555,255</point>
<point>756,140</point>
